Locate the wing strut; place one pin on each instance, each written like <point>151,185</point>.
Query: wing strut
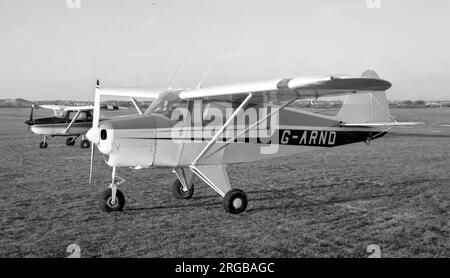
<point>71,123</point>
<point>136,105</point>
<point>222,129</point>
<point>255,124</point>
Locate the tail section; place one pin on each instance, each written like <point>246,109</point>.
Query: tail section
<point>370,107</point>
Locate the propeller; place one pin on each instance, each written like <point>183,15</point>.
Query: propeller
<point>30,121</point>
<point>94,137</point>
<point>93,134</point>
<point>92,164</point>
<point>31,113</point>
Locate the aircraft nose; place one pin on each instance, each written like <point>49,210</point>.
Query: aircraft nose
<point>93,135</point>
<point>29,122</point>
<point>103,136</point>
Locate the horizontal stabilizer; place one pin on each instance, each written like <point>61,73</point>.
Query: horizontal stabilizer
<point>381,124</point>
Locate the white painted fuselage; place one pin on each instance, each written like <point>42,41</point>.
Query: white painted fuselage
<point>60,129</point>
<point>155,142</point>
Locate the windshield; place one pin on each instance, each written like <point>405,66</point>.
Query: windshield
<point>165,104</point>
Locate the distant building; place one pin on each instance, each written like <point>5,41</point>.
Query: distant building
<point>432,104</point>
<point>394,105</point>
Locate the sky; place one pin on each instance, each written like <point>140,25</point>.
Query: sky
<point>51,51</point>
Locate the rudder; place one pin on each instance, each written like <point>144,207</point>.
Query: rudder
<point>367,107</point>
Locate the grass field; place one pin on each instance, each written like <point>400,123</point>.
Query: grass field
<point>329,203</point>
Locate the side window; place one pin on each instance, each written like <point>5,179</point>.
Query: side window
<point>69,116</point>
<point>82,117</point>
<point>88,116</point>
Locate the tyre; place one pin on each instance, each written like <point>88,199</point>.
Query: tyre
<point>70,141</point>
<point>235,201</point>
<point>178,191</point>
<point>43,145</point>
<point>85,144</point>
<point>105,201</point>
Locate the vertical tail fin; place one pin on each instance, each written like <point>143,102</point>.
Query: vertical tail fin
<point>370,107</point>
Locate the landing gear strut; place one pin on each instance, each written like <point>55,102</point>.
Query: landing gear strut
<point>108,204</point>
<point>179,191</point>
<point>183,188</point>
<point>112,199</point>
<point>234,200</point>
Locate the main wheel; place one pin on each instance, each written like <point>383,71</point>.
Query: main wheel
<point>70,141</point>
<point>235,201</point>
<point>180,193</point>
<point>85,144</point>
<point>106,204</point>
<point>43,145</point>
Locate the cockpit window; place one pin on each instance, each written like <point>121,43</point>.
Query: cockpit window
<point>84,116</point>
<point>166,104</point>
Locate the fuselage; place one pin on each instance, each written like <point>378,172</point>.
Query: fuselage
<point>58,129</point>
<point>58,126</point>
<point>156,140</point>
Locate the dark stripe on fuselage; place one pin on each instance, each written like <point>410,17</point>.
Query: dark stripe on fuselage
<point>84,124</point>
<point>314,138</point>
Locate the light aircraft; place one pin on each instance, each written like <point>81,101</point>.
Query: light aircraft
<point>67,121</point>
<point>183,129</point>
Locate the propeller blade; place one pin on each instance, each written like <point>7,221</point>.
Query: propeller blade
<point>92,162</point>
<point>31,113</point>
<point>93,134</point>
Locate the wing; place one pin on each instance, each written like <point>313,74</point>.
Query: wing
<point>67,108</point>
<point>285,89</point>
<point>78,108</point>
<point>131,92</point>
<point>52,107</point>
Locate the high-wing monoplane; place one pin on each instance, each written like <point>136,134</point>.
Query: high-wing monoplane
<point>67,121</point>
<point>199,132</point>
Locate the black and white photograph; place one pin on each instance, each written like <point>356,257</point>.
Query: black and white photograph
<point>257,130</point>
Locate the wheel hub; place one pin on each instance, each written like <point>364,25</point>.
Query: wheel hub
<point>110,204</point>
<point>237,203</point>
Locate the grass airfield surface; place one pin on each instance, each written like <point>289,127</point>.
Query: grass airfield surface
<point>329,203</point>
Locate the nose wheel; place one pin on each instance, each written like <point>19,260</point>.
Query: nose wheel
<point>108,204</point>
<point>112,199</point>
